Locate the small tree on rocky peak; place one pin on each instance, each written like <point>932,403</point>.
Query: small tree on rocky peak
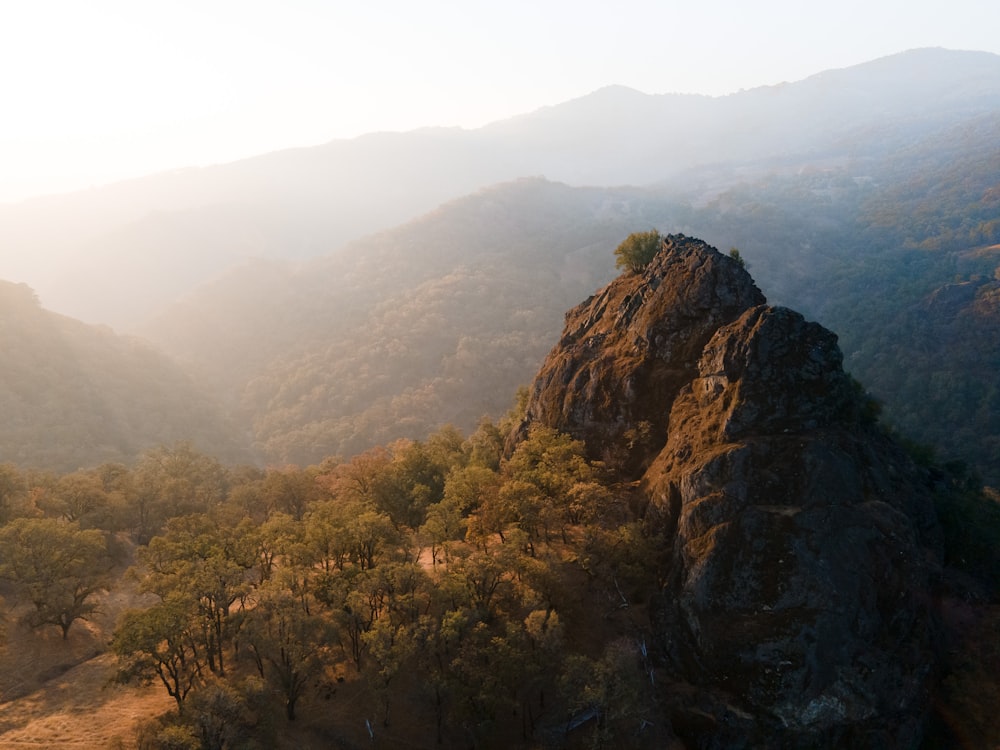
<point>637,250</point>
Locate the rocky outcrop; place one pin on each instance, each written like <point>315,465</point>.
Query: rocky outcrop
<point>626,352</point>
<point>803,542</point>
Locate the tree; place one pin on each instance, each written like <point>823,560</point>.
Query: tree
<point>389,646</point>
<point>195,560</point>
<point>221,716</point>
<point>11,490</point>
<point>77,497</point>
<point>290,490</point>
<point>289,641</point>
<point>58,566</point>
<point>171,481</point>
<point>637,250</point>
<point>540,477</point>
<point>158,642</point>
<point>444,523</point>
<point>614,689</point>
<point>259,546</point>
<point>371,533</point>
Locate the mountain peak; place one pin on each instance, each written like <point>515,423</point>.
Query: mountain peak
<point>800,542</point>
<point>626,352</point>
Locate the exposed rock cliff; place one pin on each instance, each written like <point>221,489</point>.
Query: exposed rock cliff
<point>626,352</point>
<point>803,541</point>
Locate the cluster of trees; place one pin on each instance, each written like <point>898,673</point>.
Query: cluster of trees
<point>487,596</point>
<point>432,578</point>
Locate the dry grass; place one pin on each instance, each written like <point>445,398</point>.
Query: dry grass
<point>79,709</point>
<point>56,693</point>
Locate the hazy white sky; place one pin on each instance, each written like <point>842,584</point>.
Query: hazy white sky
<point>97,90</point>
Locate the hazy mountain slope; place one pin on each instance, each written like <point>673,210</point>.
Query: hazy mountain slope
<point>436,321</point>
<point>306,202</point>
<point>73,395</point>
<point>442,318</point>
<point>897,255</point>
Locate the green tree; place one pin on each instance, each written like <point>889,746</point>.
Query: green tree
<point>388,647</point>
<point>637,250</point>
<point>58,567</point>
<point>196,560</point>
<point>172,481</point>
<point>290,490</point>
<point>221,716</point>
<point>444,524</point>
<point>288,644</point>
<point>614,689</point>
<point>372,535</point>
<point>328,542</point>
<point>11,491</point>
<point>540,478</point>
<point>158,642</point>
<point>78,497</point>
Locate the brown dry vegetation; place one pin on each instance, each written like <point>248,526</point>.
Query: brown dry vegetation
<point>56,693</point>
<point>62,694</point>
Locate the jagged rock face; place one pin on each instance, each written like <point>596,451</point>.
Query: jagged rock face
<point>803,546</point>
<point>626,352</point>
<point>803,542</point>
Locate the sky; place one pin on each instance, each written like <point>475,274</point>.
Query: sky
<point>96,91</point>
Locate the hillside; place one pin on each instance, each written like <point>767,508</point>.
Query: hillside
<point>308,202</point>
<point>435,322</point>
<point>866,220</point>
<point>440,319</point>
<point>800,544</point>
<point>754,562</point>
<point>898,255</point>
<point>74,395</point>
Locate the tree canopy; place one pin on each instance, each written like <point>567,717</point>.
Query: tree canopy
<point>637,250</point>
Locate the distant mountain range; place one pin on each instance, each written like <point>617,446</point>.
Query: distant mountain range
<point>115,255</point>
<point>864,197</point>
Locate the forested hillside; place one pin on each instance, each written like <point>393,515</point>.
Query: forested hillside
<point>899,256</point>
<point>877,222</point>
<point>437,320</point>
<point>162,235</point>
<point>75,396</point>
<point>506,588</point>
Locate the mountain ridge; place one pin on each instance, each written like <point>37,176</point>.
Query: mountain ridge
<point>310,201</point>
